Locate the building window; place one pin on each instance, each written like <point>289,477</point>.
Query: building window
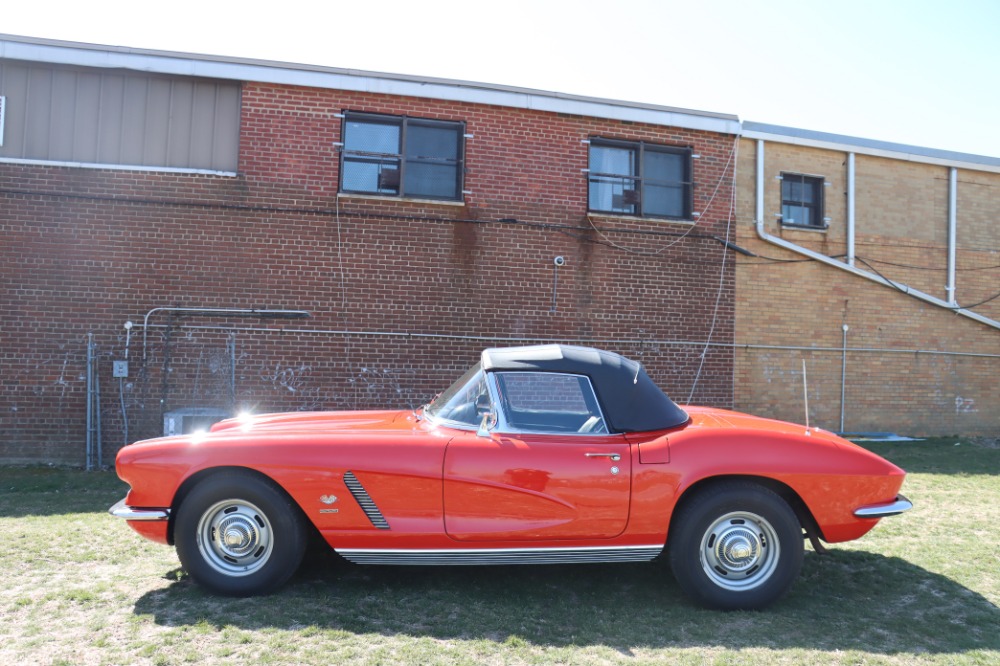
<point>641,179</point>
<point>802,201</point>
<point>403,157</point>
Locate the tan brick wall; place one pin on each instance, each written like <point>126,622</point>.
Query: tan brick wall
<point>978,247</point>
<point>902,217</point>
<point>911,367</point>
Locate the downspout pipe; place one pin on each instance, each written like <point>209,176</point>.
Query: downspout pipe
<point>760,182</point>
<point>952,232</point>
<point>850,209</point>
<point>830,261</point>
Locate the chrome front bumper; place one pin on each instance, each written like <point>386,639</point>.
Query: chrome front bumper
<point>122,510</point>
<point>900,505</point>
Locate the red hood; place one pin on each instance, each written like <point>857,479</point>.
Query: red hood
<point>288,428</point>
<point>328,421</point>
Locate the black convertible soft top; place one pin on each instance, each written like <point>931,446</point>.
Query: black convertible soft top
<point>629,398</point>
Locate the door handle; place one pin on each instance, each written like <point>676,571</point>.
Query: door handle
<point>613,456</point>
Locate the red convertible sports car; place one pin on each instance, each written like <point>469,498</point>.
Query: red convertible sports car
<point>543,454</point>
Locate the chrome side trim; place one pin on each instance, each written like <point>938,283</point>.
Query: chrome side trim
<point>122,510</point>
<point>895,508</point>
<point>476,556</point>
<point>365,501</point>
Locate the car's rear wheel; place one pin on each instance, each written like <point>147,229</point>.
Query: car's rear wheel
<point>735,545</point>
<point>238,534</point>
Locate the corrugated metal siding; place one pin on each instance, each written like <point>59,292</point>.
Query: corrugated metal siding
<point>66,114</point>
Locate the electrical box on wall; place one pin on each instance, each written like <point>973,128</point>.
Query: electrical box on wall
<point>119,369</point>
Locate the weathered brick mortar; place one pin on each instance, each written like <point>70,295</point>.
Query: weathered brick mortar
<point>85,250</point>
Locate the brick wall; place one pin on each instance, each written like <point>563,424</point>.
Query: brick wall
<point>911,367</point>
<point>403,293</point>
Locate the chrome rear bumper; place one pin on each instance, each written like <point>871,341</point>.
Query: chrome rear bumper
<point>122,510</point>
<point>900,505</point>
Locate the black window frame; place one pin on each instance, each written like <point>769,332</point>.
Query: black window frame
<point>817,206</point>
<point>395,185</point>
<point>635,196</point>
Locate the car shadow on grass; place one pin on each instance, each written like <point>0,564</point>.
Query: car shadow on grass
<point>845,600</point>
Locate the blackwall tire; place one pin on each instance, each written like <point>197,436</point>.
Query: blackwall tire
<point>735,546</point>
<point>237,534</point>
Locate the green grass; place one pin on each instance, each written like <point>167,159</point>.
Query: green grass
<point>78,587</point>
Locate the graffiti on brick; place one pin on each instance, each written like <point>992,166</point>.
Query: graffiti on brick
<point>965,405</point>
<point>290,378</point>
<point>373,388</point>
<point>297,380</point>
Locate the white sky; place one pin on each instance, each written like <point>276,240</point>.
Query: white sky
<point>920,72</point>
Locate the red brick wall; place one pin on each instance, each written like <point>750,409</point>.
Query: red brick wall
<point>403,294</point>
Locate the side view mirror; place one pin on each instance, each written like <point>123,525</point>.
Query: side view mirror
<point>486,425</point>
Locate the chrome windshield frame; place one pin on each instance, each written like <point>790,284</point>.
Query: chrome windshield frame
<point>436,419</point>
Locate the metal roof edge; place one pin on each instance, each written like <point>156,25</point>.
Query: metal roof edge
<point>839,142</point>
<point>52,51</point>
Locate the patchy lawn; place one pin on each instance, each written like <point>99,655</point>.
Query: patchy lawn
<point>78,587</point>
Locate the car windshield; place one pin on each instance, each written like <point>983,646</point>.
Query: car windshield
<point>459,402</point>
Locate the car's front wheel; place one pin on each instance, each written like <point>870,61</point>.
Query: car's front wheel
<point>237,534</point>
<point>735,545</point>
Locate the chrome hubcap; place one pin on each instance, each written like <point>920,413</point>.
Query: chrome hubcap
<point>238,535</point>
<point>234,537</point>
<point>739,551</point>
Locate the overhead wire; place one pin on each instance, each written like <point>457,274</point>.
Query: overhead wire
<point>902,289</point>
<point>929,268</point>
<point>722,270</point>
<point>578,232</point>
<point>911,246</point>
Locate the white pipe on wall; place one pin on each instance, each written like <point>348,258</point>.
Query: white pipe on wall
<point>760,179</point>
<point>952,232</point>
<point>850,209</point>
<point>910,291</point>
<point>830,261</point>
<point>493,340</point>
<point>220,312</point>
